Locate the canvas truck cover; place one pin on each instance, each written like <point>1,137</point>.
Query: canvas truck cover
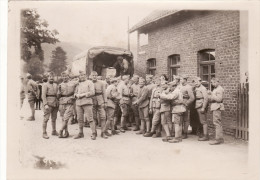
<point>100,55</point>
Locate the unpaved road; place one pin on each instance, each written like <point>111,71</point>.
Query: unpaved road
<point>130,156</point>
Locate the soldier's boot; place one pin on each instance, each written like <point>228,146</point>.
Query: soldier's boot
<point>107,134</point>
<point>114,132</point>
<point>158,131</point>
<point>217,141</point>
<point>166,129</point>
<point>171,129</point>
<point>62,128</point>
<point>122,128</point>
<point>136,128</point>
<point>142,128</point>
<point>61,134</point>
<point>54,132</point>
<point>44,127</point>
<point>93,129</point>
<point>66,134</point>
<point>80,134</point>
<point>148,126</point>
<point>94,136</point>
<point>149,134</point>
<point>185,129</point>
<point>205,132</point>
<point>178,133</point>
<point>167,138</point>
<point>185,136</point>
<point>103,135</point>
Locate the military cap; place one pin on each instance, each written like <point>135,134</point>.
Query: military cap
<point>149,75</point>
<point>184,76</point>
<point>94,73</point>
<point>113,80</point>
<point>176,77</point>
<point>141,80</point>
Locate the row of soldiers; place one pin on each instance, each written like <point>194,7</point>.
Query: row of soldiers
<point>155,103</point>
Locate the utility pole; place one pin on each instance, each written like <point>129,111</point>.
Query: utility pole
<point>128,34</point>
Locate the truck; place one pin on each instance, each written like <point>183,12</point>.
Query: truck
<point>105,61</point>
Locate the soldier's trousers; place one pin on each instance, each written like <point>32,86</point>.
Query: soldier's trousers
<point>218,124</point>
<point>144,117</point>
<point>99,111</point>
<point>124,109</point>
<point>156,121</point>
<point>186,120</point>
<point>66,111</point>
<point>136,115</point>
<point>47,113</point>
<point>202,117</point>
<point>88,111</point>
<point>110,118</point>
<point>177,120</point>
<point>167,122</point>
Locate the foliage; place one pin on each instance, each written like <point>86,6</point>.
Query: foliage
<point>34,32</point>
<point>35,67</point>
<point>58,61</point>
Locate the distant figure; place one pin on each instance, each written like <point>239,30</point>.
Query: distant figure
<point>121,65</point>
<point>39,98</point>
<point>22,92</point>
<point>32,92</point>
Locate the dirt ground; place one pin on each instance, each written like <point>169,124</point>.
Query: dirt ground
<point>128,156</point>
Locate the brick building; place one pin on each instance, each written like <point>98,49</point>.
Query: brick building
<point>197,43</point>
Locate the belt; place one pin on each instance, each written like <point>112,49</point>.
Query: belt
<point>185,97</point>
<point>125,95</point>
<point>66,95</point>
<point>51,96</point>
<point>98,94</point>
<point>199,98</point>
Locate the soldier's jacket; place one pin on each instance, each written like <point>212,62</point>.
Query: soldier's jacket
<point>22,91</point>
<point>165,103</point>
<point>216,99</point>
<point>143,99</point>
<point>66,92</point>
<point>85,88</point>
<point>100,93</point>
<point>201,97</point>
<point>135,89</point>
<point>155,98</point>
<point>124,93</point>
<point>150,88</point>
<point>32,88</point>
<point>112,96</point>
<point>187,93</point>
<point>176,95</point>
<point>49,94</point>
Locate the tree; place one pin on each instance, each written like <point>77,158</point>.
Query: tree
<point>35,67</point>
<point>58,61</point>
<point>34,32</point>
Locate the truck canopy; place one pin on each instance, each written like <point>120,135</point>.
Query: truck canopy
<point>101,58</point>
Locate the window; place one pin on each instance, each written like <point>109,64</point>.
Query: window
<point>143,39</point>
<point>207,66</point>
<point>151,65</point>
<point>174,65</point>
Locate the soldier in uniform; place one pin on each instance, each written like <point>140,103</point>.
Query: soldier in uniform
<point>50,105</point>
<point>178,108</point>
<point>32,91</point>
<point>22,92</point>
<point>124,102</point>
<point>66,100</point>
<point>188,98</point>
<point>143,107</point>
<point>201,103</point>
<point>135,88</point>
<point>154,109</point>
<point>112,98</point>
<point>99,102</point>
<point>84,105</point>
<point>216,99</point>
<point>165,111</point>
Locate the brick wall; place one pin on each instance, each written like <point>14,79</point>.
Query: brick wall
<point>191,33</point>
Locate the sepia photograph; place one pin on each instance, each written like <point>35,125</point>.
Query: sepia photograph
<point>130,90</point>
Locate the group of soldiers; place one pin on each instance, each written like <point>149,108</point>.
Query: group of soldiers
<point>151,103</point>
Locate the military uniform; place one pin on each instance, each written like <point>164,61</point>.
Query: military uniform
<point>22,94</point>
<point>124,103</point>
<point>177,111</point>
<point>112,99</point>
<point>49,97</point>
<point>135,88</point>
<point>99,100</point>
<point>143,108</point>
<point>201,96</point>
<point>216,107</point>
<point>32,92</point>
<point>66,93</point>
<point>84,105</point>
<point>188,98</point>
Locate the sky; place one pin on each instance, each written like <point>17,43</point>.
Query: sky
<point>93,23</point>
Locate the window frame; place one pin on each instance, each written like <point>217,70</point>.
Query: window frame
<point>151,69</point>
<point>173,66</point>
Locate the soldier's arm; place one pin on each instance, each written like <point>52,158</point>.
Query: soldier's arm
<point>191,96</point>
<point>76,91</point>
<point>144,96</point>
<point>104,92</point>
<point>205,98</point>
<point>151,102</point>
<point>44,92</point>
<point>218,97</point>
<point>120,91</point>
<point>170,96</point>
<point>91,89</point>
